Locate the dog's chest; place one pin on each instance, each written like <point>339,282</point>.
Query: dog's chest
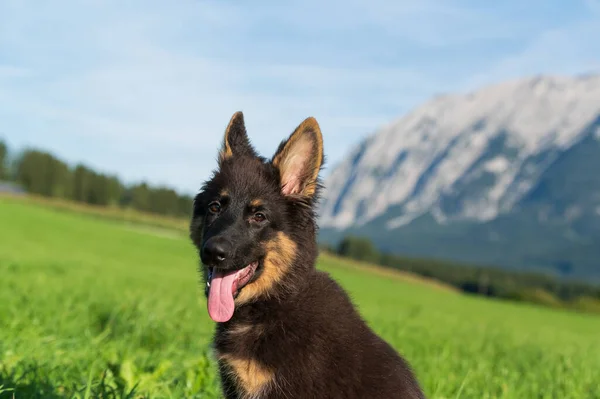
<point>238,354</point>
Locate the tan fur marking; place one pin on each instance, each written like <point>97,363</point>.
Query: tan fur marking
<point>240,329</point>
<point>224,193</point>
<point>226,152</point>
<point>256,203</point>
<point>284,158</point>
<point>251,375</point>
<point>281,252</point>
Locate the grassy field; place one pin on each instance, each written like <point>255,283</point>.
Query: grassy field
<point>95,307</point>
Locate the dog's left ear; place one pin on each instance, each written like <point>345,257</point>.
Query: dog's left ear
<point>235,141</point>
<point>299,160</point>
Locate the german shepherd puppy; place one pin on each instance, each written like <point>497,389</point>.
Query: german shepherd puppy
<point>283,329</point>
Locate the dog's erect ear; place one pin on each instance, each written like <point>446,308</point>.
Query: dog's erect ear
<point>235,141</point>
<point>299,159</point>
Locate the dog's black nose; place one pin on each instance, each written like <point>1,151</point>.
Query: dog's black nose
<point>216,250</point>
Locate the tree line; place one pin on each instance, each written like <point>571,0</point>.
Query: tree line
<point>39,172</point>
<point>3,159</point>
<point>481,280</point>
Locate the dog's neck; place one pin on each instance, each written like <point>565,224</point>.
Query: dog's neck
<point>265,307</point>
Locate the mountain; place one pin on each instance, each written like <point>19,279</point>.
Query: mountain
<point>508,175</point>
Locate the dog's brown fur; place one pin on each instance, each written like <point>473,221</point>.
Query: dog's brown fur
<point>294,333</point>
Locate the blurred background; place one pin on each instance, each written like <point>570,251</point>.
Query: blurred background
<point>462,196</point>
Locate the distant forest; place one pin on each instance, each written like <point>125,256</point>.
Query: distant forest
<point>487,281</point>
<point>39,172</point>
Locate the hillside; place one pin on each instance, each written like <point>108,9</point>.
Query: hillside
<point>507,175</point>
<point>164,226</point>
<point>92,307</point>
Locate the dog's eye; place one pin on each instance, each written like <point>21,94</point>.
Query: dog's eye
<point>259,217</point>
<point>214,207</point>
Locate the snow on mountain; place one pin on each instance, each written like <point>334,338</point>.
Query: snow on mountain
<point>470,157</point>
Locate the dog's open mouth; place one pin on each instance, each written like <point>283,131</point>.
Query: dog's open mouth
<point>223,287</point>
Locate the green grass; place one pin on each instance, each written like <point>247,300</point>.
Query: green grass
<point>99,308</point>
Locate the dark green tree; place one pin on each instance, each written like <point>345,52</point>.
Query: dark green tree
<point>115,190</point>
<point>81,182</point>
<point>359,248</point>
<point>40,173</point>
<point>98,189</point>
<point>140,197</point>
<point>3,160</point>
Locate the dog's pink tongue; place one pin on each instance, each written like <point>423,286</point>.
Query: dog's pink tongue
<point>220,296</point>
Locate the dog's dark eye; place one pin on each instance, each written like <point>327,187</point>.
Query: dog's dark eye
<point>214,207</point>
<point>259,217</point>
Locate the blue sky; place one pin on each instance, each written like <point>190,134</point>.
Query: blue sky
<point>145,88</point>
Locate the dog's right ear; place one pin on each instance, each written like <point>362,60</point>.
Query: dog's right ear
<point>235,141</point>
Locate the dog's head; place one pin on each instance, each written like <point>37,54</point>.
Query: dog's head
<point>253,221</point>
